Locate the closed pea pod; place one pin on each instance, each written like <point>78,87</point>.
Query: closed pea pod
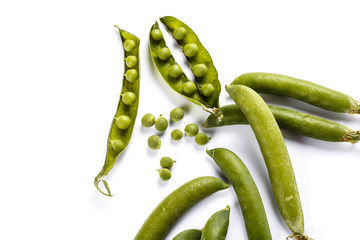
<point>217,225</point>
<point>189,234</point>
<point>172,207</point>
<point>121,130</point>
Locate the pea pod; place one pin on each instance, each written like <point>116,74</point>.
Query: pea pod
<point>172,207</point>
<point>217,225</point>
<point>121,130</point>
<point>275,154</point>
<point>293,121</point>
<point>189,234</point>
<point>247,193</point>
<point>302,90</point>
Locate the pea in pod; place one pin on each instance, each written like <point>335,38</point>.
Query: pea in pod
<point>293,121</point>
<point>189,234</point>
<point>217,225</point>
<point>125,116</point>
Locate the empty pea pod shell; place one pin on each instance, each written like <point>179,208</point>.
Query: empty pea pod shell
<point>189,234</point>
<point>172,207</point>
<point>124,135</point>
<point>216,226</point>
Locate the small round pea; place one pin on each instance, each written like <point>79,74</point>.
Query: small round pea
<point>117,145</point>
<point>199,70</point>
<point>131,61</point>
<point>156,34</point>
<point>164,174</point>
<point>131,75</point>
<point>166,162</point>
<point>191,49</point>
<point>154,142</point>
<point>189,87</point>
<point>179,33</point>
<point>164,53</point>
<point>201,138</point>
<point>176,134</point>
<point>129,45</point>
<point>148,120</point>
<point>175,71</point>
<point>128,98</point>
<point>123,122</point>
<point>161,123</point>
<point>207,89</point>
<point>191,129</point>
<point>176,114</point>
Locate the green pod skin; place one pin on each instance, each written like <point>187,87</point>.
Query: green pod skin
<point>189,234</point>
<point>293,121</point>
<point>176,204</point>
<point>247,193</point>
<point>275,154</point>
<point>202,57</point>
<point>122,109</point>
<point>217,225</point>
<point>302,90</point>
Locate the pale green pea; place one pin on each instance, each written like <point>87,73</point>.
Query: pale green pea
<point>131,75</point>
<point>201,138</point>
<point>207,89</point>
<point>191,129</point>
<point>129,45</point>
<point>176,114</point>
<point>176,134</point>
<point>154,142</point>
<point>164,174</point>
<point>175,71</point>
<point>148,120</point>
<point>189,87</point>
<point>164,53</point>
<point>179,33</point>
<point>161,123</point>
<point>123,122</point>
<point>191,49</point>
<point>129,98</point>
<point>131,61</point>
<point>166,162</point>
<point>117,145</point>
<point>199,70</point>
<point>156,34</point>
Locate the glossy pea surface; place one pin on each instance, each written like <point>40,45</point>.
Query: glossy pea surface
<point>164,53</point>
<point>175,71</point>
<point>189,87</point>
<point>129,98</point>
<point>207,89</point>
<point>201,138</point>
<point>179,33</point>
<point>148,120</point>
<point>123,122</point>
<point>176,114</point>
<point>176,134</point>
<point>161,123</point>
<point>131,61</point>
<point>156,34</point>
<point>216,227</point>
<point>191,49</point>
<point>129,45</point>
<point>131,75</point>
<point>154,142</point>
<point>166,162</point>
<point>165,174</point>
<point>191,129</point>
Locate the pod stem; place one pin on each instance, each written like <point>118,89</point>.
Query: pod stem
<point>352,136</point>
<point>214,111</point>
<point>97,181</point>
<point>298,236</point>
<point>355,108</point>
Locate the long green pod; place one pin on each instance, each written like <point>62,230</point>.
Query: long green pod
<point>293,121</point>
<point>118,139</point>
<point>189,234</point>
<point>275,154</point>
<point>247,193</point>
<point>172,207</point>
<point>217,225</point>
<point>302,90</point>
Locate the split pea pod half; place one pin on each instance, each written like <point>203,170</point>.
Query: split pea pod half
<point>189,234</point>
<point>247,193</point>
<point>275,154</point>
<point>302,90</point>
<point>125,116</point>
<point>217,225</point>
<point>293,121</point>
<point>172,207</point>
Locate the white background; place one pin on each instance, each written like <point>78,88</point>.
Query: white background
<point>61,66</point>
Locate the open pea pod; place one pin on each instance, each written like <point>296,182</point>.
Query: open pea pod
<point>125,116</point>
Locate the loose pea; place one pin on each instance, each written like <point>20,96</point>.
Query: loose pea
<point>191,49</point>
<point>161,124</point>
<point>201,138</point>
<point>131,75</point>
<point>156,34</point>
<point>189,87</point>
<point>123,122</point>
<point>131,61</point>
<point>117,145</point>
<point>129,45</point>
<point>176,134</point>
<point>164,174</point>
<point>176,114</point>
<point>199,70</point>
<point>164,53</point>
<point>207,89</point>
<point>129,98</point>
<point>175,71</point>
<point>148,120</point>
<point>191,129</point>
<point>166,162</point>
<point>154,142</point>
<point>179,33</point>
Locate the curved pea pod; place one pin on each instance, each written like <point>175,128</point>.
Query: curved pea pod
<point>189,234</point>
<point>172,207</point>
<point>119,138</point>
<point>247,193</point>
<point>217,225</point>
<point>302,90</point>
<point>293,121</point>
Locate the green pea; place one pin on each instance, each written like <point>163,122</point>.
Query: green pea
<point>176,114</point>
<point>117,145</point>
<point>191,49</point>
<point>207,89</point>
<point>129,45</point>
<point>131,75</point>
<point>129,98</point>
<point>161,123</point>
<point>175,71</point>
<point>131,61</point>
<point>191,129</point>
<point>156,34</point>
<point>176,134</point>
<point>201,138</point>
<point>189,87</point>
<point>179,33</point>
<point>164,53</point>
<point>199,70</point>
<point>164,174</point>
<point>148,120</point>
<point>123,122</point>
<point>166,162</point>
<point>154,142</point>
